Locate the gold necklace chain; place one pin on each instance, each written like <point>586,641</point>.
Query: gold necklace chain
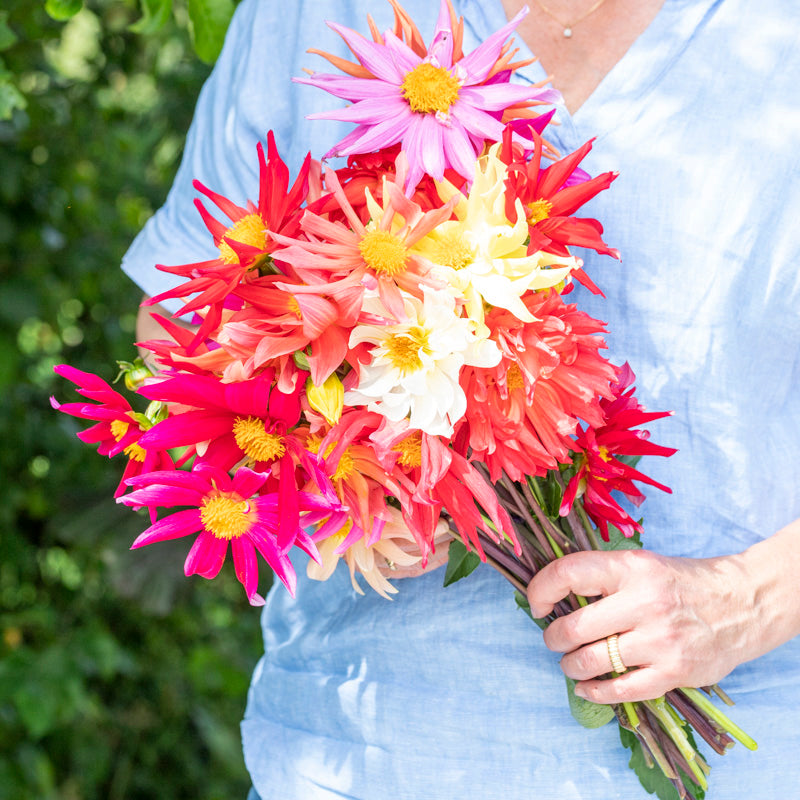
<point>568,26</point>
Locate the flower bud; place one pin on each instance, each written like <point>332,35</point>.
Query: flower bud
<point>327,399</point>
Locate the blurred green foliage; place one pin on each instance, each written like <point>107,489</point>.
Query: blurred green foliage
<point>119,678</point>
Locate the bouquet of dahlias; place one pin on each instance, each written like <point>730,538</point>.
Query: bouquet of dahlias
<point>384,362</point>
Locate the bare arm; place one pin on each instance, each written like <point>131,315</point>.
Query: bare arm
<point>147,328</point>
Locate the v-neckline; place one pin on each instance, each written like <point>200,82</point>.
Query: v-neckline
<point>625,85</point>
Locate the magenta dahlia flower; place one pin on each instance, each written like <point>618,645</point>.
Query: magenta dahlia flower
<point>118,427</point>
<point>441,105</point>
<point>228,510</point>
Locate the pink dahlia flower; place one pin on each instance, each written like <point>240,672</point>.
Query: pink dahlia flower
<point>441,105</point>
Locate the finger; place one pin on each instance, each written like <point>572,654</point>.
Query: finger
<point>646,683</point>
<point>593,660</point>
<point>586,573</point>
<point>591,623</point>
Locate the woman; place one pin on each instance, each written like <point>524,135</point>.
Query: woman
<point>445,691</point>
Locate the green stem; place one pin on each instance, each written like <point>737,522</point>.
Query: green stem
<point>631,713</point>
<point>667,717</point>
<point>587,525</point>
<point>703,703</point>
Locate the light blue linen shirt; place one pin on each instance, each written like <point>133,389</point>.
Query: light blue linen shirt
<point>447,692</point>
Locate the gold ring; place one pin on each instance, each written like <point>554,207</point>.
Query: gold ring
<point>612,643</point>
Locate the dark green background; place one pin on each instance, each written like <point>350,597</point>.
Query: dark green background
<point>119,678</point>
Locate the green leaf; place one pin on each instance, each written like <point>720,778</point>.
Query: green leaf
<point>589,714</point>
<point>548,490</point>
<point>7,36</point>
<point>652,778</point>
<point>460,562</point>
<point>618,541</point>
<point>10,99</point>
<point>208,21</point>
<point>155,14</point>
<point>63,9</point>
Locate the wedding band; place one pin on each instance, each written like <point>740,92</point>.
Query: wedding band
<point>612,643</point>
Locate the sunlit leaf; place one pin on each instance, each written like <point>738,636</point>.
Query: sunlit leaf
<point>10,99</point>
<point>63,9</point>
<point>7,36</point>
<point>209,20</point>
<point>155,13</point>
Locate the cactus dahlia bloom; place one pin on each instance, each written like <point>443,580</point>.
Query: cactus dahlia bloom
<point>441,105</point>
<point>244,243</point>
<point>482,254</point>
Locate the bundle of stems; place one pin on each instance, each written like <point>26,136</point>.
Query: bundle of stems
<point>659,725</point>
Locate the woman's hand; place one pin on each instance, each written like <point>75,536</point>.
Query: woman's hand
<point>680,621</point>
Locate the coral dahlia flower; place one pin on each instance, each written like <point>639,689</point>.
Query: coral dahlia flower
<point>434,477</point>
<point>524,411</point>
<point>395,554</point>
<point>441,105</point>
<point>226,510</point>
<point>333,257</point>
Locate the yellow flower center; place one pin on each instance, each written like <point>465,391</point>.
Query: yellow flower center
<point>538,210</point>
<point>345,467</point>
<point>384,252</point>
<point>403,349</point>
<point>514,378</point>
<point>294,307</point>
<point>410,450</point>
<point>250,230</point>
<point>134,451</point>
<point>252,438</point>
<point>226,517</point>
<point>428,88</point>
<point>450,250</point>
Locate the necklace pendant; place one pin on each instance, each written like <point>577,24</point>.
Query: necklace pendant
<point>567,33</point>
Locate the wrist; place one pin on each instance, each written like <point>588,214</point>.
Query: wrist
<point>768,573</point>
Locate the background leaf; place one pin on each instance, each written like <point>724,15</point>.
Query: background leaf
<point>63,9</point>
<point>208,22</point>
<point>7,36</point>
<point>155,14</point>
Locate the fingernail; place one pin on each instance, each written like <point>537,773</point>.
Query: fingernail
<point>581,692</point>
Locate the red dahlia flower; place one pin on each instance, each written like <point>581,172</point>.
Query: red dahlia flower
<point>245,245</point>
<point>550,199</point>
<point>600,471</point>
